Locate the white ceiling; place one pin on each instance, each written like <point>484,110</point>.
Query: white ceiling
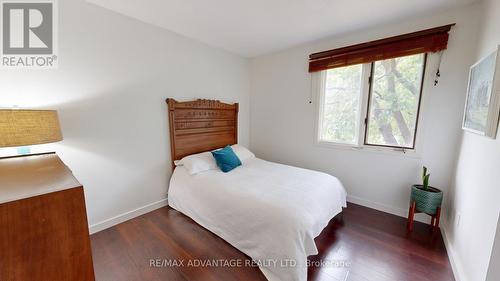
<point>255,27</point>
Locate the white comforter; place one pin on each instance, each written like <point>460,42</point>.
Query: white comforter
<point>269,211</point>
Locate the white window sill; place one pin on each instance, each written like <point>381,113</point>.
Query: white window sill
<point>407,153</point>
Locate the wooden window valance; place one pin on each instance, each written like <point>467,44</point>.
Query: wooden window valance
<point>425,41</point>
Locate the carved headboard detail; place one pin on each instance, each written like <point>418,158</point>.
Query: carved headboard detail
<point>201,125</point>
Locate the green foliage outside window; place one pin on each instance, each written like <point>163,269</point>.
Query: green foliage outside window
<point>393,105</point>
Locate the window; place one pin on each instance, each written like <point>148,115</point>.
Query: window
<point>341,101</point>
<point>373,104</point>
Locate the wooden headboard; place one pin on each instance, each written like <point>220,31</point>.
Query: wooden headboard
<point>201,125</point>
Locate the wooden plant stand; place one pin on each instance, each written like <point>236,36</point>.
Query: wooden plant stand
<point>434,218</point>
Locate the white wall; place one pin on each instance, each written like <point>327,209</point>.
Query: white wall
<point>110,88</point>
<point>283,123</point>
<point>474,212</point>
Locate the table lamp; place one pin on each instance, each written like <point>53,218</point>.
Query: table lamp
<point>23,127</point>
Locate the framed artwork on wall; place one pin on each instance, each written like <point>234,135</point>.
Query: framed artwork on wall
<point>482,107</point>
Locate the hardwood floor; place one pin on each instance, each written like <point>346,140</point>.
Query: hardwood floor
<point>360,245</point>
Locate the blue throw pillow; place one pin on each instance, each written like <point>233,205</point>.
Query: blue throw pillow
<point>226,159</point>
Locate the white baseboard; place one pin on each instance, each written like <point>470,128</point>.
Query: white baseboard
<point>456,265</point>
<point>127,216</point>
<point>387,209</point>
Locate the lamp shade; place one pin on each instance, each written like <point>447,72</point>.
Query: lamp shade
<point>21,127</point>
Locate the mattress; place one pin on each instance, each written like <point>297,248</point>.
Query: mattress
<point>269,211</point>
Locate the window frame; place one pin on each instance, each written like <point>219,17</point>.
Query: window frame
<point>361,108</point>
<point>318,87</point>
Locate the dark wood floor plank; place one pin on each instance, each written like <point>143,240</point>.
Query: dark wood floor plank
<point>362,244</point>
<point>200,243</point>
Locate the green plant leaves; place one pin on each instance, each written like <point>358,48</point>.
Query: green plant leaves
<point>426,181</point>
<point>425,178</point>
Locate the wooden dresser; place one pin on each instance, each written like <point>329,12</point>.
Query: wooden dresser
<point>44,233</point>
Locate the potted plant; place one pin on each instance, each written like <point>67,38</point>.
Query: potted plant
<point>427,198</point>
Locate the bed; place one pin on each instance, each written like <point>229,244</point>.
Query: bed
<point>269,211</point>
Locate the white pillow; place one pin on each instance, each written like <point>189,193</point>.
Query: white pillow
<point>242,152</point>
<point>197,163</point>
<point>201,162</point>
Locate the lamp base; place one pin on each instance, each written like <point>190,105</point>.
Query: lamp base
<point>26,155</point>
<point>23,150</point>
